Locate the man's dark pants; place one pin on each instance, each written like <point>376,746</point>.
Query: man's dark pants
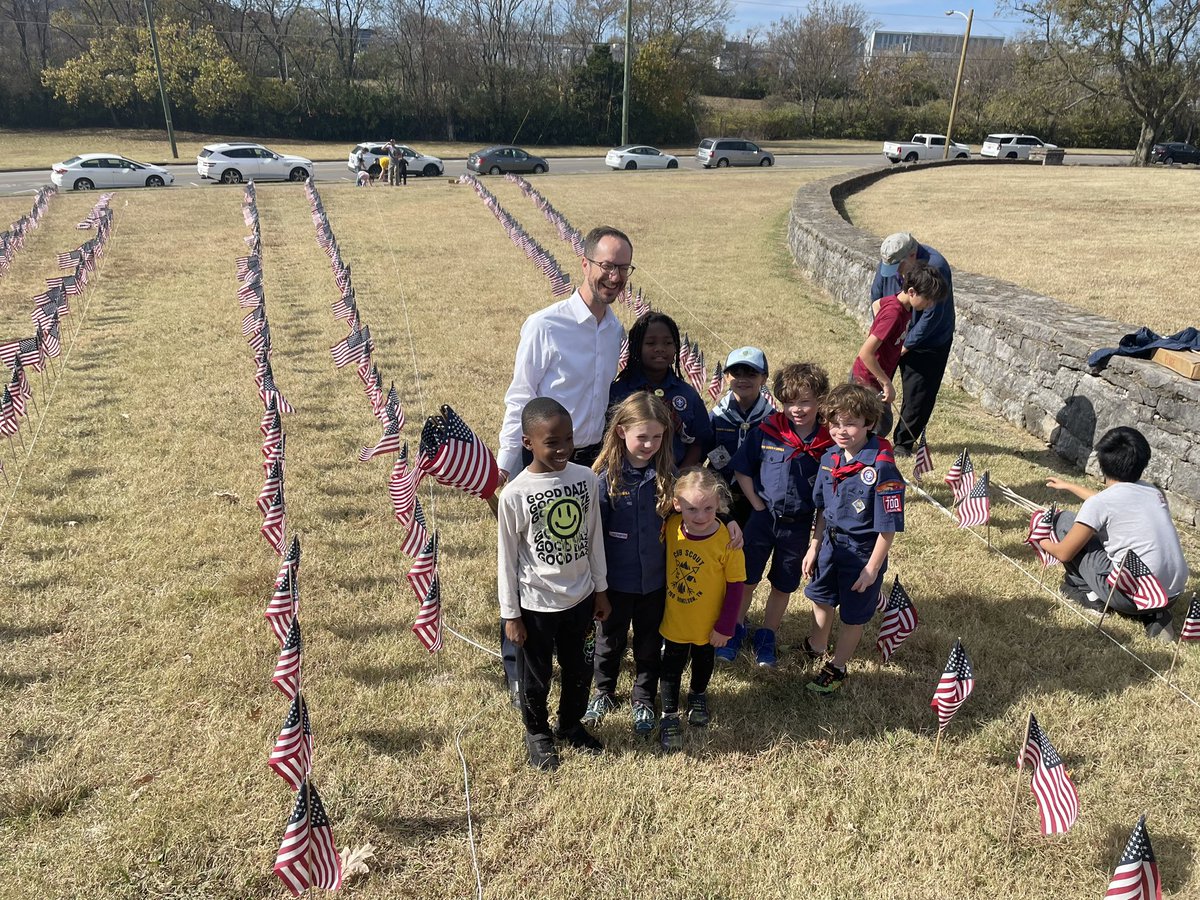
<point>921,374</point>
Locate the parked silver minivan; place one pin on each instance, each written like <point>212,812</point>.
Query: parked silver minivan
<point>722,152</point>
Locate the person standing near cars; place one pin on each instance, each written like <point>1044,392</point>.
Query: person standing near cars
<point>394,160</point>
<point>402,165</point>
<point>927,345</point>
<point>568,351</point>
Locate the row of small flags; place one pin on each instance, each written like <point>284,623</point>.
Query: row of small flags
<point>448,450</point>
<point>307,856</point>
<point>560,281</point>
<point>49,308</point>
<point>691,357</point>
<point>13,239</point>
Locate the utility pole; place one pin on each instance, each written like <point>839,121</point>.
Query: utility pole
<point>628,61</point>
<point>162,88</point>
<point>962,58</point>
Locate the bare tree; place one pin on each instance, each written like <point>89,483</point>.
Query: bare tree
<point>686,23</point>
<point>1152,46</point>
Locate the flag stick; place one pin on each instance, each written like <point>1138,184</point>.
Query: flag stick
<point>1174,656</point>
<point>493,503</point>
<point>937,743</point>
<point>1042,574</point>
<point>1012,819</point>
<point>1112,590</point>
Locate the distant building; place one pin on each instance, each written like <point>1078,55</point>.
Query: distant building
<point>931,44</point>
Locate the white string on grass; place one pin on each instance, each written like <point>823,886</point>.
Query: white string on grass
<point>467,792</point>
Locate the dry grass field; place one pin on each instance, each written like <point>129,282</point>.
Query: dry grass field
<point>1109,241</point>
<point>135,664</point>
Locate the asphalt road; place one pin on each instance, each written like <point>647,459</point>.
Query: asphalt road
<point>26,182</point>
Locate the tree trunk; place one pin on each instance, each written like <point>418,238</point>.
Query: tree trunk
<point>1146,140</point>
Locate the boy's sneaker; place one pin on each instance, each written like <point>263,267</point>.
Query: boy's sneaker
<point>671,734</point>
<point>1080,597</point>
<point>697,714</point>
<point>542,753</point>
<point>764,648</point>
<point>580,738</point>
<point>599,707</point>
<point>643,719</point>
<point>729,652</point>
<point>813,655</point>
<point>1160,627</point>
<point>828,680</point>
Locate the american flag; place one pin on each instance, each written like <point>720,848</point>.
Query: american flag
<point>69,259</point>
<point>261,341</point>
<point>623,357</point>
<point>402,487</point>
<point>418,532</point>
<point>922,458</point>
<point>1057,799</point>
<point>307,857</point>
<point>428,625</point>
<point>424,567</point>
<point>976,507</point>
<point>955,686</point>
<point>268,390</point>
<point>287,668</point>
<point>27,348</point>
<point>292,755</point>
<point>341,275</point>
<point>49,339</point>
<point>8,414</point>
<point>1041,528</point>
<point>1191,624</point>
<point>716,383</point>
<point>246,265</point>
<point>271,486</point>
<point>373,386</point>
<point>456,457</point>
<point>281,608</point>
<point>899,621</point>
<point>391,409</point>
<point>345,307</point>
<point>1134,579</point>
<point>273,432</point>
<point>961,476</point>
<point>254,320</point>
<point>354,348</point>
<point>274,522</point>
<point>388,443</point>
<point>268,422</point>
<point>1136,877</point>
<point>278,453</point>
<point>20,380</point>
<point>13,390</point>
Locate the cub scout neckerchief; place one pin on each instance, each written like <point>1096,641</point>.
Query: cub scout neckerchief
<point>777,426</point>
<point>842,471</point>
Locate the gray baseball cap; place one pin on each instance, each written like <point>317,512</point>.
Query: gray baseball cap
<point>895,249</point>
<point>748,356</point>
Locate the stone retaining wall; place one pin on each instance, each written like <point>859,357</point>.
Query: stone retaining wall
<point>1023,355</point>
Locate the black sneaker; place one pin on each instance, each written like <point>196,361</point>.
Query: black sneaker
<point>670,733</point>
<point>542,753</point>
<point>697,711</point>
<point>580,738</point>
<point>813,655</point>
<point>1159,627</point>
<point>1074,594</point>
<point>828,680</point>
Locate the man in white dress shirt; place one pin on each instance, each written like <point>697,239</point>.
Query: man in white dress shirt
<point>568,351</point>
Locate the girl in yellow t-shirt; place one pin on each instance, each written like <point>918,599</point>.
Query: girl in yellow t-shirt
<point>704,593</point>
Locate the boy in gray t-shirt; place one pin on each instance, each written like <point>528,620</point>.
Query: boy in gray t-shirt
<point>552,578</point>
<point>1127,515</point>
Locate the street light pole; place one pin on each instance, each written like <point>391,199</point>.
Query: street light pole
<point>628,65</point>
<point>962,59</point>
<point>162,89</point>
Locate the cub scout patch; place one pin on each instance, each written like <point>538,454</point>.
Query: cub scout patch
<point>893,503</point>
<point>720,458</point>
<point>868,476</point>
<point>890,487</point>
<point>859,506</point>
<point>679,402</point>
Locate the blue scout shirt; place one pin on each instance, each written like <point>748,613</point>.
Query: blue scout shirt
<point>782,478</point>
<point>687,409</point>
<point>633,542</point>
<point>729,429</point>
<point>866,502</point>
<point>930,328</point>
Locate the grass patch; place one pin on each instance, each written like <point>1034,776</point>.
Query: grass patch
<point>1109,241</point>
<point>138,707</point>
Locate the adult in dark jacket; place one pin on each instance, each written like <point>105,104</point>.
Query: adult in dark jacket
<point>927,346</point>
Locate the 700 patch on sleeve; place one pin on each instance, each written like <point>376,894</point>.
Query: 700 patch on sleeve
<point>893,503</point>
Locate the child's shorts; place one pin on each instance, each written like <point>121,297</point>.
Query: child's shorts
<point>783,541</point>
<point>838,567</point>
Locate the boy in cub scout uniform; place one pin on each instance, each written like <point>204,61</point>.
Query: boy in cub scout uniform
<point>859,495</point>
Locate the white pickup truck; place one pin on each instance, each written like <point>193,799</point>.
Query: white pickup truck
<point>923,146</point>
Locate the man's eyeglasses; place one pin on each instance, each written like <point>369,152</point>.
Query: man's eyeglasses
<point>608,268</point>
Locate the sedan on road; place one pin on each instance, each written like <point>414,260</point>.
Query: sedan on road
<point>418,163</point>
<point>503,159</point>
<point>235,163</point>
<point>107,170</point>
<point>1174,152</point>
<point>639,156</point>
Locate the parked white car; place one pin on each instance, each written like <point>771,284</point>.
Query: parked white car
<point>235,163</point>
<point>418,163</point>
<point>1013,146</point>
<point>923,146</point>
<point>107,170</point>
<point>639,156</point>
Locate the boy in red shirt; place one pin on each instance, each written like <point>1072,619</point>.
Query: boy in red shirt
<point>880,354</point>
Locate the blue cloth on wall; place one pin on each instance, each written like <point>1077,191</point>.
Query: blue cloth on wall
<point>1143,342</point>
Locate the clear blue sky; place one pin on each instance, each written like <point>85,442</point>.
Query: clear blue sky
<point>893,15</point>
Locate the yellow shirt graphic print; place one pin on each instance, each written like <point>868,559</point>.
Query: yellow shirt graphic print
<point>697,573</point>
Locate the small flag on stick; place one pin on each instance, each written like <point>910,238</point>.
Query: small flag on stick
<point>957,682</point>
<point>976,507</point>
<point>1136,876</point>
<point>922,458</point>
<point>307,857</point>
<point>899,621</point>
<point>1056,797</point>
<point>1134,579</point>
<point>1041,528</point>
